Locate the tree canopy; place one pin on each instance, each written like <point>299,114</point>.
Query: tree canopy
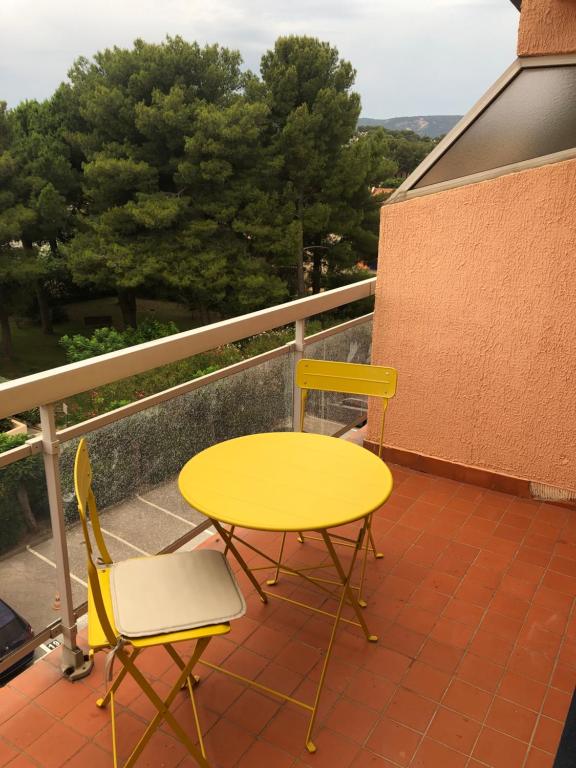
<point>168,167</point>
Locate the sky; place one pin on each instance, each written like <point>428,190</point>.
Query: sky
<point>412,57</point>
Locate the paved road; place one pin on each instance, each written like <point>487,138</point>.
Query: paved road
<point>142,525</point>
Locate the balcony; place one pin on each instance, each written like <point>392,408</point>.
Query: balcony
<point>473,601</point>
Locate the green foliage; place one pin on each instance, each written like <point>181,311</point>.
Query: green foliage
<point>24,475</point>
<point>79,347</point>
<point>5,425</point>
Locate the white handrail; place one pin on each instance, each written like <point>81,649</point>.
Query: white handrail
<point>59,383</point>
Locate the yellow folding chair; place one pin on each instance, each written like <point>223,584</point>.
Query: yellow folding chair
<point>356,379</point>
<point>153,601</point>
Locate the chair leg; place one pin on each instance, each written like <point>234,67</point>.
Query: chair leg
<point>300,537</point>
<point>377,555</point>
<point>103,702</point>
<point>163,706</point>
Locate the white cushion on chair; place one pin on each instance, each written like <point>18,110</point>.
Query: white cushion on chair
<point>169,593</point>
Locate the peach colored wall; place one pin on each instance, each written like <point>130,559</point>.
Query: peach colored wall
<point>547,26</point>
<point>476,307</point>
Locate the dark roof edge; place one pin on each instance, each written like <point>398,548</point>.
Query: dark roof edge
<point>517,3</point>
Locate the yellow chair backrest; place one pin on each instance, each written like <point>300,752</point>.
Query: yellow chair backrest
<point>353,378</point>
<point>87,506</point>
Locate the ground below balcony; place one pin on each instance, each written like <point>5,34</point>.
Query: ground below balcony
<point>475,666</point>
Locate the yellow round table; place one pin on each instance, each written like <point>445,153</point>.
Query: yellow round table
<point>286,481</point>
<point>290,481</point>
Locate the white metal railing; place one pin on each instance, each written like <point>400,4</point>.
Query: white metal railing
<point>45,389</point>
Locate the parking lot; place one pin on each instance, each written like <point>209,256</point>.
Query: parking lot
<point>142,525</point>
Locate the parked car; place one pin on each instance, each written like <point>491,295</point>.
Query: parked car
<point>14,632</point>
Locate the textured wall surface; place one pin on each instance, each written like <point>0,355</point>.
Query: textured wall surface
<point>547,26</point>
<point>476,307</point>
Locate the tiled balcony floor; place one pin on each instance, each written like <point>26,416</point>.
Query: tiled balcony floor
<point>475,664</point>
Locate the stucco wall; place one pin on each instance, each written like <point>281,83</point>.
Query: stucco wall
<point>547,26</point>
<point>476,307</point>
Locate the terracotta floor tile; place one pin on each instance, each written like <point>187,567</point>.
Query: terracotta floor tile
<point>37,679</point>
<point>429,600</point>
<point>90,756</point>
<point>509,533</point>
<point>474,593</point>
<point>516,520</point>
<point>372,690</point>
<point>501,625</point>
<point>252,711</point>
<point>536,639</point>
<point>511,719</point>
<point>441,582</point>
<point>11,702</point>
<point>27,725</point>
<point>480,672</point>
<point>535,556</point>
<point>556,704</point>
<point>526,572</point>
<point>403,640</point>
<point>333,751</point>
<point>464,612</point>
<point>22,761</point>
<point>543,543</point>
<point>393,741</point>
<point>388,663</point>
<point>411,710</point>
<point>417,619</point>
<point>549,598</point>
<point>439,655</point>
<point>351,719</point>
<point>59,699</point>
<point>7,752</point>
<point>263,755</point>
<point>467,699</point>
<point>427,681</point>
<point>412,567</point>
<point>287,729</point>
<point>564,678</point>
<point>499,750</point>
<point>297,657</point>
<point>280,678</point>
<point>547,735</point>
<point>226,743</point>
<point>266,641</point>
<point>550,619</point>
<point>431,754</point>
<point>57,745</point>
<point>521,690</point>
<point>516,587</point>
<point>532,664</point>
<point>451,632</point>
<point>367,759</point>
<point>484,577</point>
<point>508,605</point>
<point>454,730</point>
<point>539,759</point>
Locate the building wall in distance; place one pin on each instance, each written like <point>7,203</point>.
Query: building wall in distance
<point>547,27</point>
<point>476,308</point>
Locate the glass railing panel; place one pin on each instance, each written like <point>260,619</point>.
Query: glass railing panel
<point>330,412</point>
<point>27,564</point>
<point>136,461</point>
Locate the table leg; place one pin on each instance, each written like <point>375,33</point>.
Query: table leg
<point>346,596</point>
<point>227,539</point>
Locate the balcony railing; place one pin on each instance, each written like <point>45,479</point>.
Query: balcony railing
<point>143,444</point>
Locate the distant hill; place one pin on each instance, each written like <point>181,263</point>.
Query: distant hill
<point>424,125</point>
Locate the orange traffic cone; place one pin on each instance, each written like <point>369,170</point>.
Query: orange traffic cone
<point>56,603</point>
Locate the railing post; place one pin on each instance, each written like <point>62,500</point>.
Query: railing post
<point>74,664</point>
<point>300,328</point>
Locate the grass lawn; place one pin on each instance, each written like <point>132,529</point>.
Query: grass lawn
<point>34,351</point>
